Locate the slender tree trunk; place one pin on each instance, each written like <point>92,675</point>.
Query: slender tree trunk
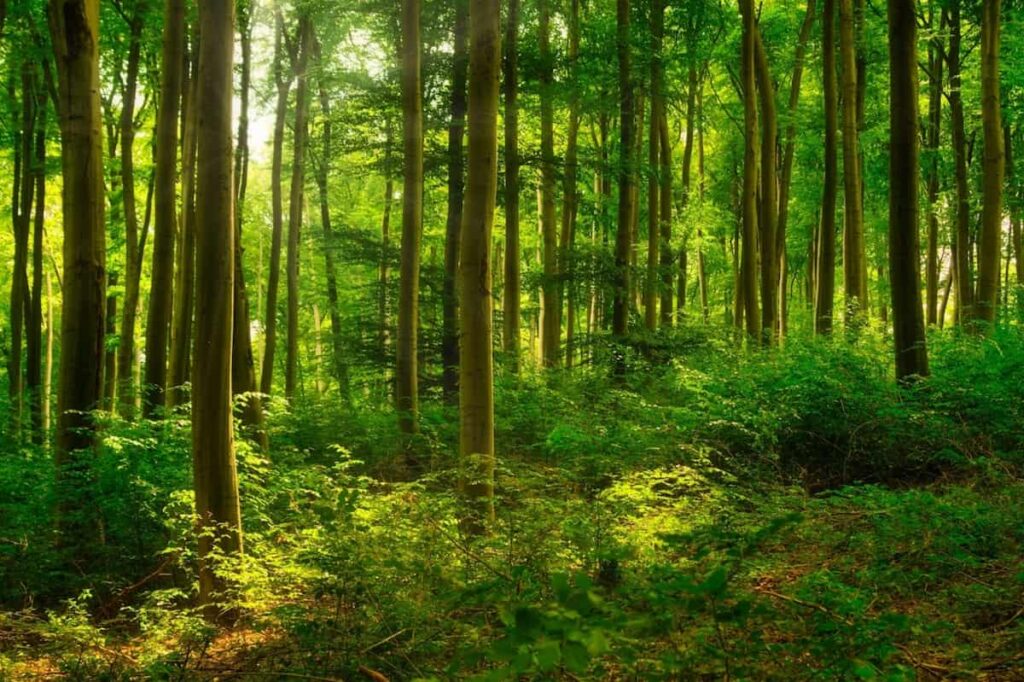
<point>133,260</point>
<point>990,240</point>
<point>283,79</point>
<point>296,200</point>
<point>788,154</point>
<point>184,283</point>
<point>48,366</point>
<point>339,365</point>
<point>623,245</point>
<point>551,331</point>
<point>243,364</point>
<point>213,452</point>
<point>456,185</point>
<point>33,374</point>
<point>21,209</point>
<point>74,30</point>
<point>476,370</point>
<point>702,273</point>
<point>748,267</point>
<point>961,238</point>
<point>511,333</point>
<point>854,267</point>
<point>570,199</point>
<point>651,280</point>
<point>161,297</point>
<point>932,138</point>
<point>768,218</point>
<point>904,252</point>
<point>406,385</point>
<point>383,333</point>
<point>665,223</point>
<point>825,274</point>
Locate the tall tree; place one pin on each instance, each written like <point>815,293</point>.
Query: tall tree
<point>510,333</point>
<point>570,200</point>
<point>932,139</point>
<point>825,271</point>
<point>283,76</point>
<point>990,238</point>
<point>21,210</point>
<point>854,263</point>
<point>213,452</point>
<point>476,370</point>
<point>74,30</point>
<point>904,258</point>
<point>296,199</point>
<point>133,257</point>
<point>551,330</point>
<point>456,185</point>
<point>161,295</point>
<point>623,237</point>
<point>748,266</point>
<point>768,190</point>
<point>34,327</point>
<point>961,237</point>
<point>406,378</point>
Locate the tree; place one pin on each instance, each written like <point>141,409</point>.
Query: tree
<point>456,185</point>
<point>406,379</point>
<point>623,236</point>
<point>213,452</point>
<point>510,333</point>
<point>904,259</point>
<point>962,236</point>
<point>161,296</point>
<point>476,389</point>
<point>74,31</point>
<point>854,263</point>
<point>826,248</point>
<point>551,329</point>
<point>570,200</point>
<point>748,266</point>
<point>296,199</point>
<point>769,189</point>
<point>990,239</point>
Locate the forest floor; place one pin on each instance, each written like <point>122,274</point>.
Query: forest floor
<point>768,518</point>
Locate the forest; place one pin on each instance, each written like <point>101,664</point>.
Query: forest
<point>511,340</point>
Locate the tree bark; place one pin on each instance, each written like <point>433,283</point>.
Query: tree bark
<point>161,297</point>
<point>34,342</point>
<point>456,186</point>
<point>904,253</point>
<point>21,210</point>
<point>74,30</point>
<point>406,377</point>
<point>961,239</point>
<point>296,200</point>
<point>932,139</point>
<point>825,272</point>
<point>510,335</point>
<point>854,265</point>
<point>651,280</point>
<point>623,241</point>
<point>476,370</point>
<point>570,197</point>
<point>551,331</point>
<point>748,267</point>
<point>213,452</point>
<point>990,240</point>
<point>282,79</point>
<point>769,187</point>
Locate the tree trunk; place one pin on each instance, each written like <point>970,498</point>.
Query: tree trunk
<point>132,259</point>
<point>932,138</point>
<point>789,152</point>
<point>665,224</point>
<point>651,280</point>
<point>161,297</point>
<point>33,374</point>
<point>21,210</point>
<point>476,395</point>
<point>510,335</point>
<point>990,240</point>
<point>296,200</point>
<point>961,238</point>
<point>282,79</point>
<point>768,217</point>
<point>406,378</point>
<point>551,331</point>
<point>243,365</point>
<point>456,185</point>
<point>825,272</point>
<point>904,252</point>
<point>213,452</point>
<point>383,332</point>
<point>854,266</point>
<point>748,267</point>
<point>184,283</point>
<point>623,246</point>
<point>570,197</point>
<point>74,30</point>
